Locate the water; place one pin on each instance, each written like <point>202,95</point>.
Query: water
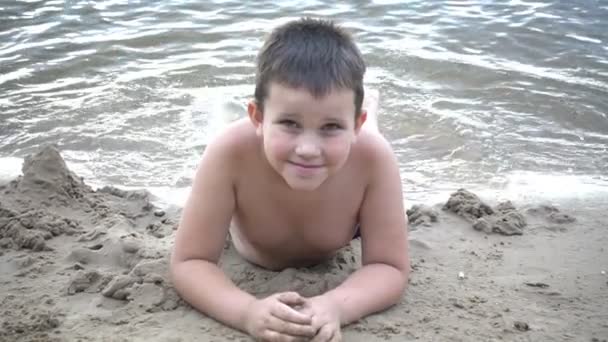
<point>501,97</point>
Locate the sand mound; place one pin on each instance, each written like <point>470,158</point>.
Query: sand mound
<point>46,177</point>
<point>551,213</point>
<point>421,215</point>
<point>31,229</point>
<point>466,204</point>
<point>505,219</point>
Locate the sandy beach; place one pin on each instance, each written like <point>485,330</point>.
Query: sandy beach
<point>84,264</point>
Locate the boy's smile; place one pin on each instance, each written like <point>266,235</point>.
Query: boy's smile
<point>306,139</point>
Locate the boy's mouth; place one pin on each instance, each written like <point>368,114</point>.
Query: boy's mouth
<point>306,166</point>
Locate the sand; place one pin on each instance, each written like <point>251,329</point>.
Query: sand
<point>83,264</point>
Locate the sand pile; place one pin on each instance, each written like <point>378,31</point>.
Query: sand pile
<point>92,265</point>
<point>80,241</point>
<point>504,219</point>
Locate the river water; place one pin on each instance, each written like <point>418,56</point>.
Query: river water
<point>506,97</point>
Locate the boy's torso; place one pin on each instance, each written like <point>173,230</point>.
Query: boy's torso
<point>276,227</point>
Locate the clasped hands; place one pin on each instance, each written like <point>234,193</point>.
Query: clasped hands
<point>289,317</point>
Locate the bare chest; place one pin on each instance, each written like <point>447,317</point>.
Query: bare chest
<point>276,221</point>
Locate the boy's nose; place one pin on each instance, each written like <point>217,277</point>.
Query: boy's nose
<point>308,148</point>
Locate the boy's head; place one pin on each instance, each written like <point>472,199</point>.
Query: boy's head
<point>308,98</point>
<point>312,54</point>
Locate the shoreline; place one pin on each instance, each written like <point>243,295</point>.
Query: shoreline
<point>524,187</point>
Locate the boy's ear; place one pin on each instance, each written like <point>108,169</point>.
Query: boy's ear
<point>360,121</point>
<point>255,116</point>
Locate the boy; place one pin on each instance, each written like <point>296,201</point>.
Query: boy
<point>292,184</point>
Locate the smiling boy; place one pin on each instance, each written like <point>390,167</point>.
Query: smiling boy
<point>293,183</point>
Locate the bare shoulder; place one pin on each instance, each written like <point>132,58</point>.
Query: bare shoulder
<point>210,205</point>
<point>234,140</point>
<point>375,150</point>
<point>381,163</point>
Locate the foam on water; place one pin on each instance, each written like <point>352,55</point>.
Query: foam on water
<point>10,168</point>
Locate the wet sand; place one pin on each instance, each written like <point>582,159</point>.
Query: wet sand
<point>83,264</point>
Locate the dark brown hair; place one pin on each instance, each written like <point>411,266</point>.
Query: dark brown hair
<point>311,53</point>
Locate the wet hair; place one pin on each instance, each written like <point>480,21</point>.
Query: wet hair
<point>311,53</point>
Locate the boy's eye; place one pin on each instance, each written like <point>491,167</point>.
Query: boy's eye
<point>289,123</point>
<point>332,127</point>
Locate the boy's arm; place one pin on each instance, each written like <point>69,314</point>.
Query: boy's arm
<point>383,278</point>
<point>198,246</point>
<point>200,239</point>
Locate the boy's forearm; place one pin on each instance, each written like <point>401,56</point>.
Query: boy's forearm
<point>206,287</point>
<point>372,288</point>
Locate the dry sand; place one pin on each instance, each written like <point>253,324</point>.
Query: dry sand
<point>80,264</point>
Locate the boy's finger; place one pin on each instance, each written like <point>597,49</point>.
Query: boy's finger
<point>305,309</point>
<point>292,329</point>
<point>326,333</point>
<point>291,298</point>
<point>289,314</point>
<point>275,336</point>
<point>337,337</point>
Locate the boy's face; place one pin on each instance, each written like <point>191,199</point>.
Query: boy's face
<point>306,139</point>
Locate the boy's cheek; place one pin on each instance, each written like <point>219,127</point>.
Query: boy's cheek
<point>278,148</point>
<point>339,149</point>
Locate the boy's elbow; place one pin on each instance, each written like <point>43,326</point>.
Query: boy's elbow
<point>400,284</point>
<point>400,281</point>
<point>176,268</point>
<point>180,274</point>
<point>404,272</point>
<point>405,276</point>
<point>182,268</point>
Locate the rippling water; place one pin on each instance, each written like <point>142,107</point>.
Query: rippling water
<point>509,96</point>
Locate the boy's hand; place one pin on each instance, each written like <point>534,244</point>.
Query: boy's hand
<point>274,318</point>
<point>325,318</point>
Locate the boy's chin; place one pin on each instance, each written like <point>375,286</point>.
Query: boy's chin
<point>304,184</point>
